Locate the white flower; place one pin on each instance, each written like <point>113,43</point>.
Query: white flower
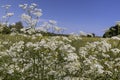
<point>6,6</point>
<point>33,4</point>
<point>117,64</point>
<point>46,26</point>
<point>10,71</point>
<point>32,15</point>
<point>116,38</point>
<point>72,57</point>
<point>29,44</point>
<point>14,59</point>
<point>52,22</point>
<point>57,29</point>
<point>38,14</point>
<point>67,78</point>
<point>115,50</point>
<point>2,53</point>
<point>52,72</point>
<point>28,66</point>
<point>39,29</point>
<point>96,67</point>
<point>26,17</point>
<point>105,55</point>
<point>9,14</point>
<point>13,24</point>
<point>24,6</point>
<point>37,10</point>
<point>117,59</point>
<point>23,30</point>
<point>83,33</point>
<point>40,35</point>
<point>34,22</point>
<point>3,17</point>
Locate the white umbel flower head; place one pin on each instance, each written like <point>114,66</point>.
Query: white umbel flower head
<point>52,22</point>
<point>9,14</point>
<point>34,4</point>
<point>6,6</point>
<point>25,17</point>
<point>38,14</point>
<point>24,6</point>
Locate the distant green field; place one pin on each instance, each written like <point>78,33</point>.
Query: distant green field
<point>76,43</point>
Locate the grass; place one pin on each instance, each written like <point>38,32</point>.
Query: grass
<point>77,43</point>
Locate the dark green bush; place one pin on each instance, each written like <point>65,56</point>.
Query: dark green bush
<point>112,31</point>
<point>4,29</point>
<point>16,27</point>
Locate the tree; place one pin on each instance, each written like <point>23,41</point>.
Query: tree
<point>17,27</point>
<point>91,35</point>
<point>4,29</point>
<point>112,31</point>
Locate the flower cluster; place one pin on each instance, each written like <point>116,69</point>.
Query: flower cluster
<point>38,57</point>
<point>100,61</point>
<point>51,26</point>
<point>7,15</point>
<point>31,15</point>
<point>48,58</point>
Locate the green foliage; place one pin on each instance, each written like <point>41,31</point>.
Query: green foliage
<point>91,35</point>
<point>52,34</point>
<point>33,57</point>
<point>113,31</point>
<point>4,29</point>
<point>16,27</point>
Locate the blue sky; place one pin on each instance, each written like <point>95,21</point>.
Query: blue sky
<point>76,15</point>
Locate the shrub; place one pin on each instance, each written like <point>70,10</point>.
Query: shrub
<point>17,27</point>
<point>4,29</point>
<point>112,31</point>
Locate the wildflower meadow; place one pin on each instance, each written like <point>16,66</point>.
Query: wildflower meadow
<point>29,55</point>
